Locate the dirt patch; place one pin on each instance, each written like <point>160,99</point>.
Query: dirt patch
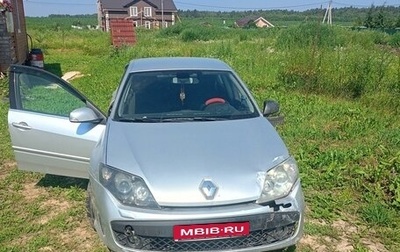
<point>326,243</point>
<point>31,192</point>
<point>6,167</point>
<point>345,227</point>
<point>349,230</point>
<point>46,249</point>
<point>344,242</point>
<point>82,238</point>
<point>22,240</point>
<point>53,207</point>
<point>57,207</point>
<point>79,238</point>
<point>374,246</point>
<point>312,242</point>
<point>344,245</point>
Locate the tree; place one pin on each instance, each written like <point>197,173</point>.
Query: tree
<point>379,20</point>
<point>397,24</point>
<point>370,18</point>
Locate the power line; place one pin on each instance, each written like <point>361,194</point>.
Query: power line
<point>246,8</point>
<point>215,6</point>
<point>58,3</point>
<point>275,7</point>
<point>362,6</point>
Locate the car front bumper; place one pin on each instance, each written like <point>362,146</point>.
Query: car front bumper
<point>271,227</point>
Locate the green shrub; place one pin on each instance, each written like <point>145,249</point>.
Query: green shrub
<point>174,30</point>
<point>199,34</point>
<point>395,40</point>
<point>351,71</point>
<point>307,35</point>
<point>378,214</point>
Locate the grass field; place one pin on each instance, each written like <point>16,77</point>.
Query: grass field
<point>339,91</point>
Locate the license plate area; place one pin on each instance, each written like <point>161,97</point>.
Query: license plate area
<point>210,231</point>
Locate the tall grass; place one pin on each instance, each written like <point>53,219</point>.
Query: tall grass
<point>310,58</point>
<point>334,61</point>
<point>339,91</point>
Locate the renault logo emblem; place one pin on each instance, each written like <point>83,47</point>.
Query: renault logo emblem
<point>208,189</point>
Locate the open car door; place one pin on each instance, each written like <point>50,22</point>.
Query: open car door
<point>43,138</point>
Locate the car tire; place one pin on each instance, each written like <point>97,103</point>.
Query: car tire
<point>89,207</point>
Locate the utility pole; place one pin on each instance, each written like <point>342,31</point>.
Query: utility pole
<point>162,14</point>
<point>328,14</point>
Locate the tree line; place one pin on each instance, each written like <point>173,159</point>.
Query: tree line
<point>375,17</point>
<point>372,17</point>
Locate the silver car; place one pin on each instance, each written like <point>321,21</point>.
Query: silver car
<point>183,161</point>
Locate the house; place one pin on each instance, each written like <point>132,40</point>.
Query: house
<point>144,13</point>
<point>13,37</point>
<point>253,21</point>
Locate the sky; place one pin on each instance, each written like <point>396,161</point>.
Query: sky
<point>38,8</point>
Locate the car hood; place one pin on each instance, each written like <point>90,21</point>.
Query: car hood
<point>175,158</point>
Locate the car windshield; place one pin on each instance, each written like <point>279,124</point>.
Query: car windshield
<point>169,96</point>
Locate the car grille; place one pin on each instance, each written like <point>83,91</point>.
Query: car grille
<point>254,239</point>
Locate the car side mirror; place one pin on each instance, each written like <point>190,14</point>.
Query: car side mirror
<point>84,114</point>
<point>270,111</point>
<point>270,107</point>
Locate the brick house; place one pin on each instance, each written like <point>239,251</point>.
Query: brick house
<point>144,13</point>
<point>13,37</point>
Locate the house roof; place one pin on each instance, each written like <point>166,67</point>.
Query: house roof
<point>246,20</point>
<point>169,5</point>
<point>269,24</point>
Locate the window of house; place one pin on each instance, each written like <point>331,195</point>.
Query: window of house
<point>9,21</point>
<point>147,24</point>
<point>147,11</point>
<point>135,24</point>
<point>133,11</point>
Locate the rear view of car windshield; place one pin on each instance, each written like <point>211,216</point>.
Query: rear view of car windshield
<point>183,95</point>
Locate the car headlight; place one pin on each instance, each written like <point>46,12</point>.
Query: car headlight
<point>129,189</point>
<point>279,181</point>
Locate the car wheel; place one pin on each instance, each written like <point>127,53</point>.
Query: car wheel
<point>89,207</point>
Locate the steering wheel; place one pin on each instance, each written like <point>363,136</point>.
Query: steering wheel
<point>214,100</point>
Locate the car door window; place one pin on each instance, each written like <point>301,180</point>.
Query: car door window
<point>42,135</point>
<point>44,94</point>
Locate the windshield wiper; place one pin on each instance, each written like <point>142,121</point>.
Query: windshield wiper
<point>140,119</point>
<point>172,119</point>
<point>190,119</point>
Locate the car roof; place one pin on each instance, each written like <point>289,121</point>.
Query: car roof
<point>176,63</point>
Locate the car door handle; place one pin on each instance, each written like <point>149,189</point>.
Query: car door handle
<point>21,125</point>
